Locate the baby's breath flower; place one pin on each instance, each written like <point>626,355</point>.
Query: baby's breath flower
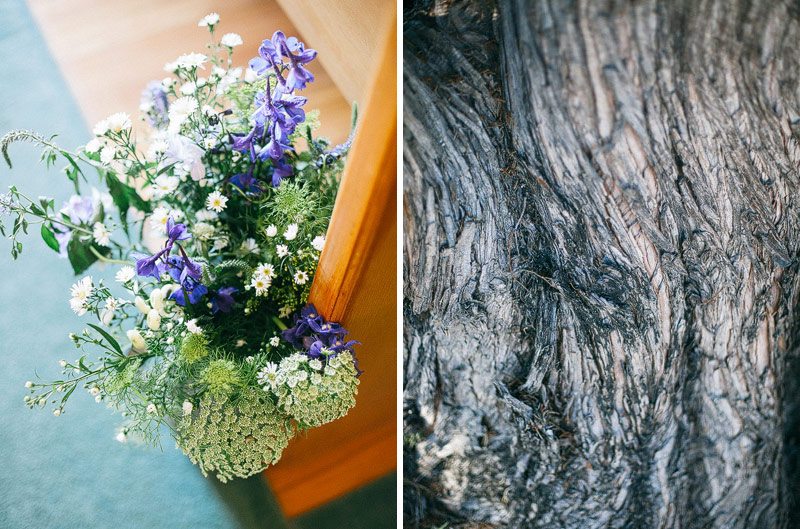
<point>151,408</point>
<point>275,341</point>
<point>125,274</point>
<point>190,61</point>
<point>209,20</point>
<point>231,40</point>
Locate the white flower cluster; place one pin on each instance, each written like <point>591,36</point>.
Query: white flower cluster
<point>311,391</point>
<point>80,292</point>
<point>262,278</point>
<point>234,439</point>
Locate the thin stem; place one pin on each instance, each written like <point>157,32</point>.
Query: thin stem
<point>106,259</point>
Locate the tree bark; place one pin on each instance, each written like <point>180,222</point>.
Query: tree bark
<point>600,263</point>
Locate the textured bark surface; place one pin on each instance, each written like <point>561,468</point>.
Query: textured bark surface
<point>601,276</point>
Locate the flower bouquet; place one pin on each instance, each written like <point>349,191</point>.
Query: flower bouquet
<point>217,222</point>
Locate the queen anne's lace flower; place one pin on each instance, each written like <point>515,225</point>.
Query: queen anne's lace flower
<point>234,437</point>
<point>312,399</point>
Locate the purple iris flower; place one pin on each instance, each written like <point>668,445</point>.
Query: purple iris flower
<point>223,299</point>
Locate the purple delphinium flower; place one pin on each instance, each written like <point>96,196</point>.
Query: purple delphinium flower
<point>160,262</point>
<point>191,288</point>
<point>314,335</point>
<point>79,209</point>
<point>155,95</point>
<point>271,53</point>
<point>222,299</point>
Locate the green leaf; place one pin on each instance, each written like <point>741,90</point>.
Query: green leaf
<point>80,255</point>
<point>50,238</point>
<point>110,339</point>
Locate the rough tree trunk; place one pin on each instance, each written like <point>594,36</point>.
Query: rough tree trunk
<point>601,274</point>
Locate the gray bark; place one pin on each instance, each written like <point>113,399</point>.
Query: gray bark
<point>600,263</point>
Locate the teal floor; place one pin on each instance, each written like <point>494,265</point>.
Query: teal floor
<point>69,472</point>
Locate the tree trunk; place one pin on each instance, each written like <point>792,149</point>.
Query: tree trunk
<point>601,274</point>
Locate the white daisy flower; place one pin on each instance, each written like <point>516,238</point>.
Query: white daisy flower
<point>216,201</point>
<point>188,88</point>
<point>209,20</point>
<point>165,185</point>
<point>318,243</point>
<point>231,40</point>
<point>179,112</point>
<point>282,250</point>
<point>291,232</point>
<point>125,274</point>
<point>158,220</point>
<point>101,234</point>
<point>100,128</point>
<point>118,122</point>
<point>94,145</point>
<point>268,375</point>
<point>190,61</point>
<point>300,277</point>
<point>157,149</point>
<point>261,284</point>
<point>266,270</point>
<point>82,289</point>
<point>272,231</point>
<point>107,154</point>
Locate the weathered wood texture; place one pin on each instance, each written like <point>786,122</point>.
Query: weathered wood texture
<point>601,275</point>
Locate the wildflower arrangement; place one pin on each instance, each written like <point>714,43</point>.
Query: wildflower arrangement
<point>217,221</point>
